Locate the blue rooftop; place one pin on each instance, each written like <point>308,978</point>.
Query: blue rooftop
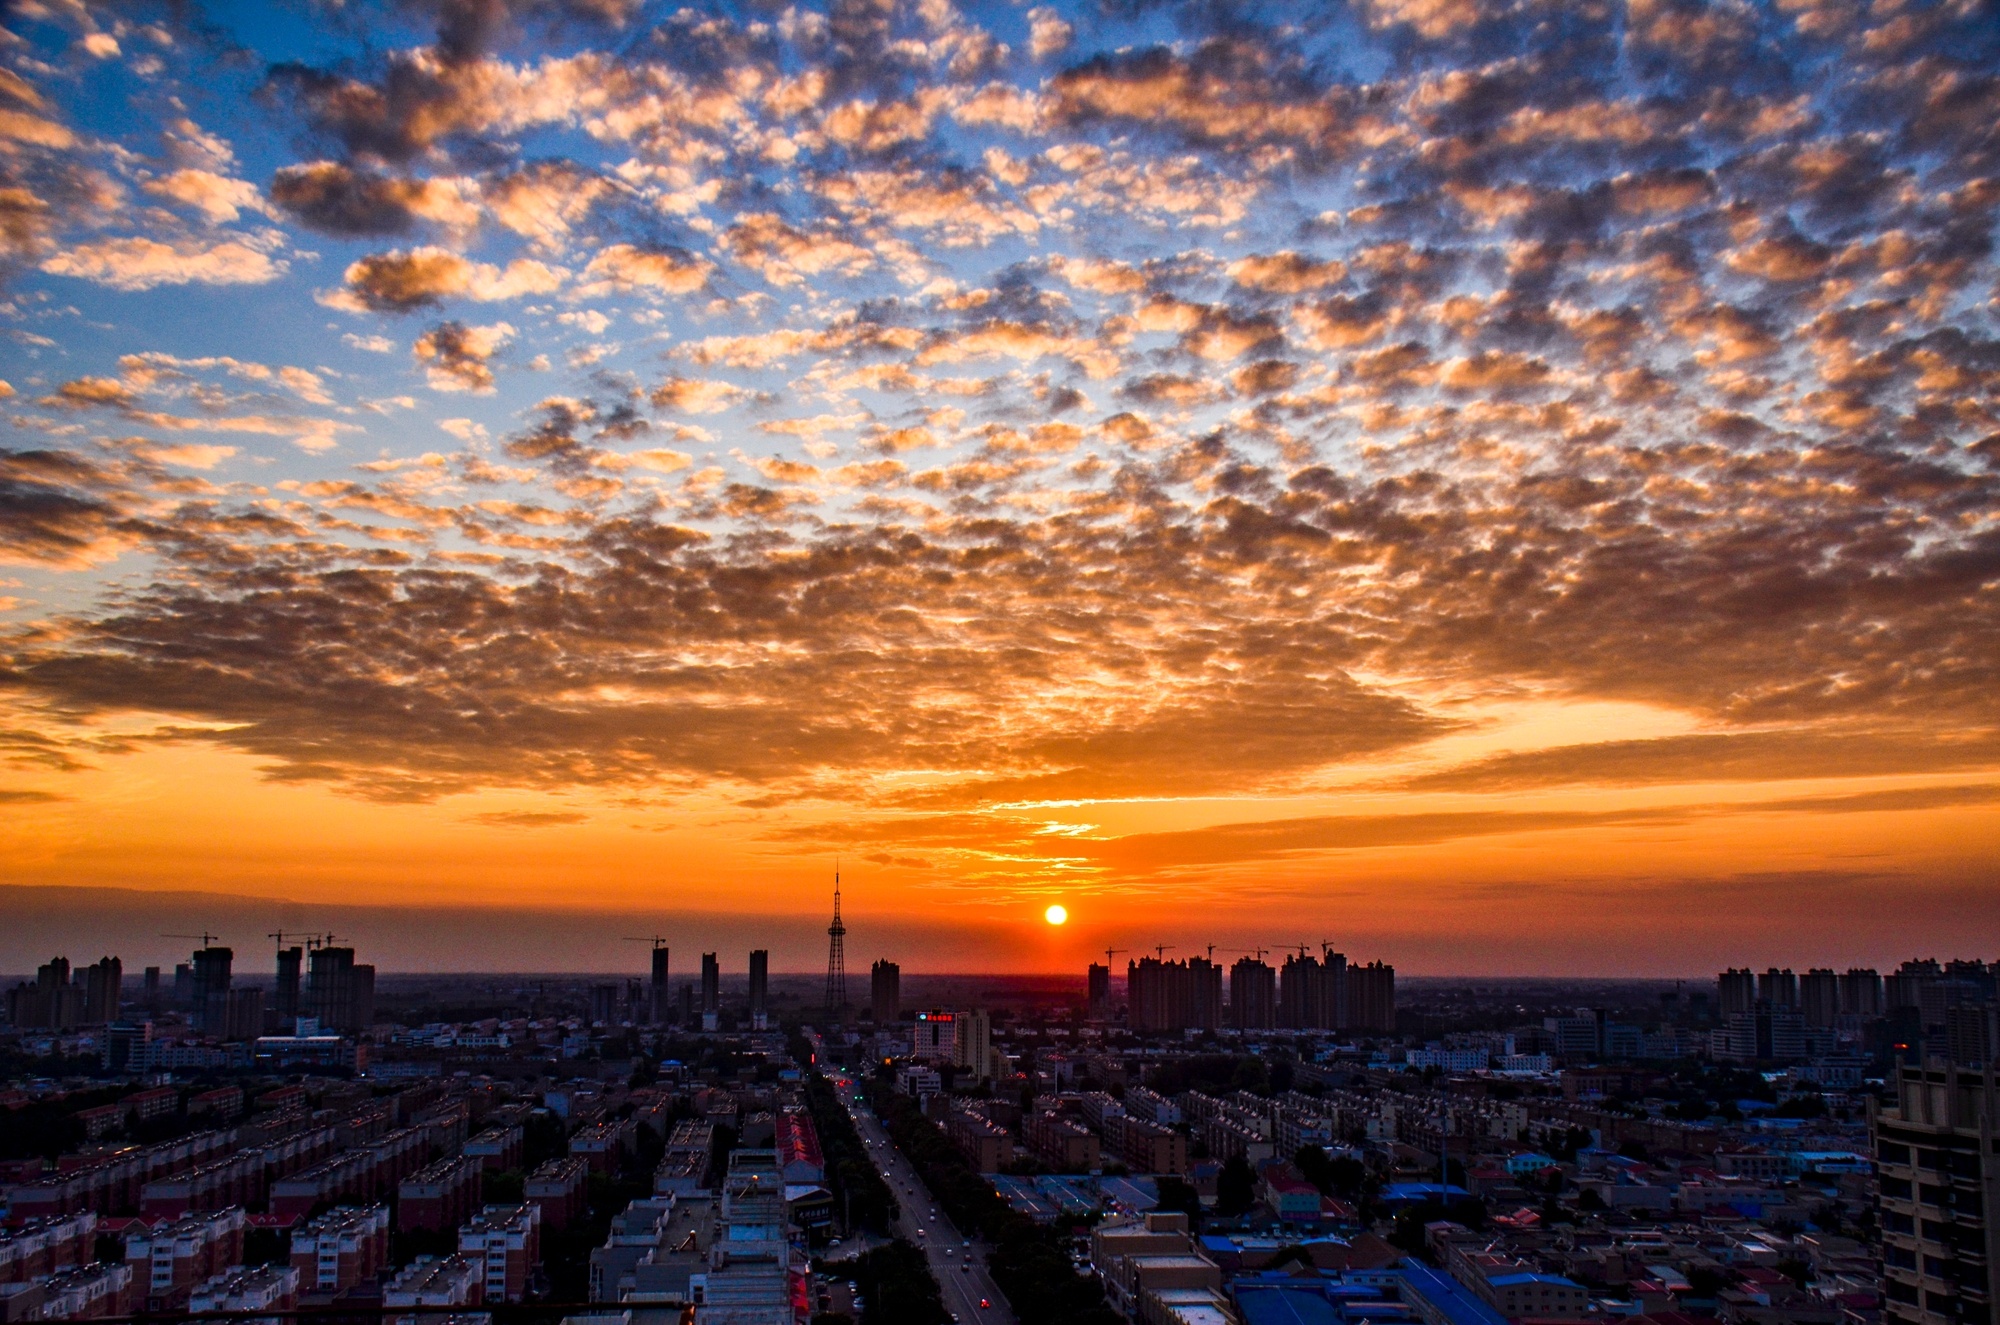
<point>1283,1304</point>
<point>1502,1280</point>
<point>1400,1193</point>
<point>1447,1297</point>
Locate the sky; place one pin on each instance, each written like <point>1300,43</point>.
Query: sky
<point>1500,487</point>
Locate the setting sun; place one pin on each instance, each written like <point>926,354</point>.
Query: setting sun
<point>1055,915</point>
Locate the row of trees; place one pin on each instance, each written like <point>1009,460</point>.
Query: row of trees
<point>859,1193</point>
<point>1030,1263</point>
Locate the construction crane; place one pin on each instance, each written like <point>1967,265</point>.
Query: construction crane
<point>656,940</point>
<point>311,940</point>
<point>1161,950</point>
<point>205,937</point>
<point>1109,953</point>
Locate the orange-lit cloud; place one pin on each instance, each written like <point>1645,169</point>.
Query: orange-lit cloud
<point>1356,467</point>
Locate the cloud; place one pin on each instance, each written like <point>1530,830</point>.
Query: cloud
<point>1184,411</point>
<point>401,280</point>
<point>624,267</point>
<point>337,199</point>
<point>455,356</point>
<point>59,510</point>
<point>1286,273</point>
<point>683,395</point>
<point>1239,843</point>
<point>1751,756</point>
<point>528,818</point>
<point>140,263</point>
<point>218,198</point>
<point>1048,33</point>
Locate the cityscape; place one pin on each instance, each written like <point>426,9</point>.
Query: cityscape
<point>1000,662</point>
<point>1177,1142</point>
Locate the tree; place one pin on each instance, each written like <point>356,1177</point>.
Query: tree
<point>1292,1253</point>
<point>1235,1187</point>
<point>1705,1281</point>
<point>1178,1193</point>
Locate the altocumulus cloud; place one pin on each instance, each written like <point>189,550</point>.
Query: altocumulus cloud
<point>1068,403</point>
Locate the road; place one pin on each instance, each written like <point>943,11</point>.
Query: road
<point>965,1284</point>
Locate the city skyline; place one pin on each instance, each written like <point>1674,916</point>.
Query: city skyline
<point>1514,486</point>
<point>405,942</point>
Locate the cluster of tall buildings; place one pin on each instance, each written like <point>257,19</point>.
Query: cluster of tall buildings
<point>316,981</point>
<point>59,1000</point>
<point>693,1006</point>
<point>1951,1008</point>
<point>1307,992</point>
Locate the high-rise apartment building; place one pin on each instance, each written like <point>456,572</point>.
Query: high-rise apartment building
<point>1971,1035</point>
<point>1204,985</point>
<point>1173,996</point>
<point>287,988</point>
<point>1302,994</point>
<point>885,991</point>
<point>659,991</point>
<point>1159,995</point>
<point>1905,988</point>
<point>974,1051</point>
<point>1938,1181</point>
<point>1371,997</point>
<point>1779,988</point>
<point>1100,990</point>
<point>1819,997</point>
<point>103,990</point>
<point>1333,986</point>
<point>53,1002</point>
<point>1861,992</point>
<point>1736,991</point>
<point>711,992</point>
<point>244,1019</point>
<point>1253,995</point>
<point>339,993</point>
<point>760,988</point>
<point>211,989</point>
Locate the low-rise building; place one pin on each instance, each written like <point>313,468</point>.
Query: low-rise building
<point>506,1240</point>
<point>450,1281</point>
<point>170,1260</point>
<point>88,1292</point>
<point>987,1146</point>
<point>558,1187</point>
<point>1061,1143</point>
<point>440,1195</point>
<point>249,1288</point>
<point>341,1249</point>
